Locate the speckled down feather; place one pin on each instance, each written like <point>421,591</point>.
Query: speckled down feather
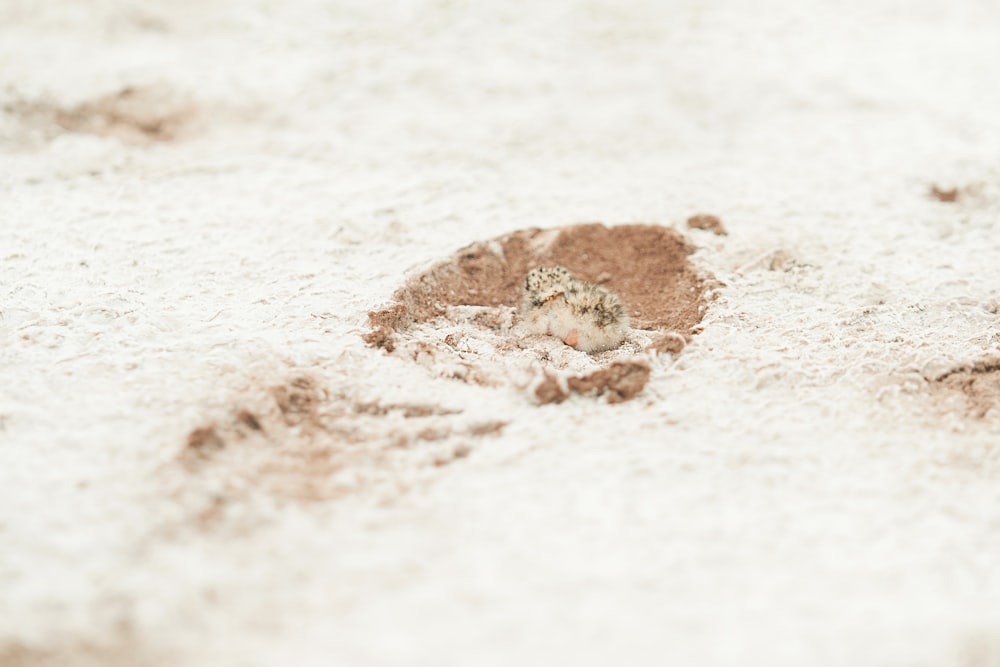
<point>585,316</point>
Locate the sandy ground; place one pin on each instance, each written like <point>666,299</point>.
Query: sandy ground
<point>202,463</point>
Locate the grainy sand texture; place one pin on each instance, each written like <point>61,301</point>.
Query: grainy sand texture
<point>267,399</point>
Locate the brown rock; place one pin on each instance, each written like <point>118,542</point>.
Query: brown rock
<point>549,390</point>
<point>949,196</point>
<point>668,343</point>
<point>622,380</point>
<point>707,222</point>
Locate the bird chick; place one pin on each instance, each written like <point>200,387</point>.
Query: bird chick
<point>584,316</point>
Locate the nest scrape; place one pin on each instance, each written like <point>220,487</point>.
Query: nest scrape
<point>453,316</point>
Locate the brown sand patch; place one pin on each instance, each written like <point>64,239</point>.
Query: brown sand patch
<point>299,440</point>
<point>298,399</point>
<point>383,323</point>
<point>481,285</point>
<point>549,390</point>
<point>248,419</point>
<point>139,114</point>
<point>202,441</point>
<point>646,265</point>
<point>460,452</point>
<point>488,428</point>
<point>946,195</point>
<point>781,260</point>
<point>125,651</point>
<point>977,383</point>
<point>707,222</point>
<point>408,410</point>
<point>972,194</point>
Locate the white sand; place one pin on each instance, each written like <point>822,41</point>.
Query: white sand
<point>786,492</point>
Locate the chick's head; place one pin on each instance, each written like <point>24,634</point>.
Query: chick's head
<point>545,283</point>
